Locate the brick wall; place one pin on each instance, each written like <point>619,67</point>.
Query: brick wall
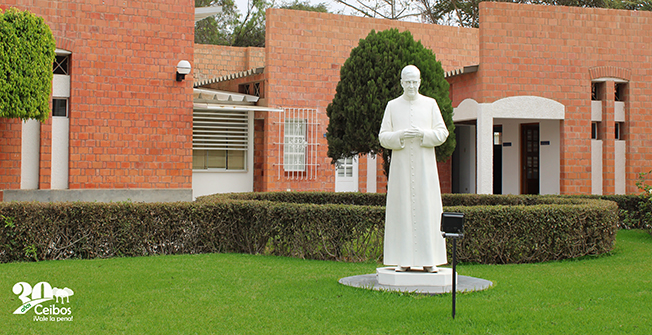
<point>304,54</point>
<point>130,121</point>
<point>554,52</point>
<point>213,61</point>
<point>10,130</point>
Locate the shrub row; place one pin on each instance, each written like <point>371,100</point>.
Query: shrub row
<point>334,226</point>
<point>54,231</point>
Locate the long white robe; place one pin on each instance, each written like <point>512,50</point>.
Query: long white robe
<point>413,212</point>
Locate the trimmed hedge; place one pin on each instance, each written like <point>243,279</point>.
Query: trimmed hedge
<point>333,226</point>
<point>499,229</point>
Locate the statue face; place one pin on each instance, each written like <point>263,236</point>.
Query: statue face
<point>411,82</point>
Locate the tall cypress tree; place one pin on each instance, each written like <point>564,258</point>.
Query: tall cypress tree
<point>27,50</point>
<point>370,78</point>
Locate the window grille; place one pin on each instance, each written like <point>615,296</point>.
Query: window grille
<point>60,65</point>
<point>220,139</point>
<point>298,130</point>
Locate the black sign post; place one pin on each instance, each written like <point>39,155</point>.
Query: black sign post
<point>452,226</point>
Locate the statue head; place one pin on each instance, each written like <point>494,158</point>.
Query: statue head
<point>410,81</point>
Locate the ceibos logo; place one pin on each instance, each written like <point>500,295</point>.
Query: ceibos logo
<point>33,297</point>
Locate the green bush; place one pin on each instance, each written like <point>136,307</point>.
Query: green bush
<point>333,226</point>
<point>499,229</point>
<point>27,50</point>
<point>641,217</point>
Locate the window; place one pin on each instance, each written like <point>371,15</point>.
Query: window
<point>619,130</point>
<point>218,159</point>
<point>252,89</point>
<point>298,130</point>
<point>345,167</point>
<point>220,140</point>
<point>595,135</point>
<point>596,91</point>
<point>60,65</point>
<point>60,107</point>
<point>294,151</point>
<point>619,92</point>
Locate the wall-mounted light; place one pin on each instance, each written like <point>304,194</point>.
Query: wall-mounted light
<point>183,68</point>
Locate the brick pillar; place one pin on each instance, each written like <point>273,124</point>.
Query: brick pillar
<point>259,152</point>
<point>608,137</point>
<point>45,155</point>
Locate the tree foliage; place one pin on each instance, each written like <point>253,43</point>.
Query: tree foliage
<point>370,78</point>
<point>465,13</point>
<point>243,30</point>
<point>216,29</point>
<point>384,9</point>
<point>27,51</point>
<point>306,6</point>
<point>230,27</point>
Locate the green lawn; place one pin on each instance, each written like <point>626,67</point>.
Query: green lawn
<point>245,294</point>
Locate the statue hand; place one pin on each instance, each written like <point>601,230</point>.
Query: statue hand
<point>413,132</point>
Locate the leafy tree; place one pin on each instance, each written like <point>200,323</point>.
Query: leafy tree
<point>384,9</point>
<point>235,29</point>
<point>306,6</point>
<point>465,13</point>
<point>27,51</point>
<point>219,28</point>
<point>251,30</point>
<point>369,78</point>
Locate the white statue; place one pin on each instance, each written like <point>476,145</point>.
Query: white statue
<point>412,127</point>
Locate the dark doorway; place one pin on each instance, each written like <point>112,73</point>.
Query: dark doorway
<point>530,158</point>
<point>498,159</point>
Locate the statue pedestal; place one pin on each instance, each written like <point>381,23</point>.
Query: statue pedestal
<point>387,276</point>
<point>416,281</point>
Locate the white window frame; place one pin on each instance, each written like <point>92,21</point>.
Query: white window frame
<point>294,145</point>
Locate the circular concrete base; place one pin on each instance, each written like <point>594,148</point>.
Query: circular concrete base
<point>464,284</point>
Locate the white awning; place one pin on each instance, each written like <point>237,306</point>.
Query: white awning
<point>237,75</point>
<point>222,97</point>
<point>204,12</point>
<point>235,108</point>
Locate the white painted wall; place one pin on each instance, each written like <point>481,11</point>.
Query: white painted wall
<point>596,110</point>
<point>619,166</point>
<point>60,86</point>
<point>29,154</point>
<point>60,152</point>
<point>511,157</point>
<point>619,111</point>
<point>485,150</point>
<point>596,167</point>
<point>206,182</point>
<point>60,136</point>
<point>511,112</point>
<point>372,178</point>
<point>549,157</point>
<point>466,142</point>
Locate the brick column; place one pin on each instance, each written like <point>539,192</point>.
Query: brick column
<point>607,133</point>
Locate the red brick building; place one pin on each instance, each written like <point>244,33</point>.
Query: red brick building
<point>124,130</point>
<point>547,100</point>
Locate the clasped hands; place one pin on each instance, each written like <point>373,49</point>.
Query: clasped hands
<point>413,132</point>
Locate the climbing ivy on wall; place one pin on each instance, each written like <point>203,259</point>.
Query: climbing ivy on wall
<point>27,50</point>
